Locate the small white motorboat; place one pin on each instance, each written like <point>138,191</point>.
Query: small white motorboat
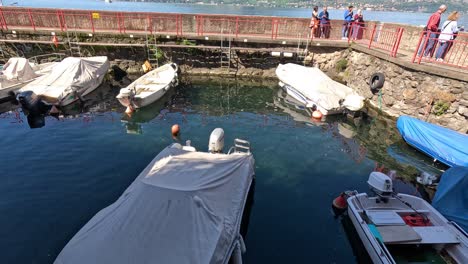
<point>389,224</point>
<point>150,87</point>
<point>68,81</point>
<point>316,90</point>
<point>18,72</point>
<point>186,206</point>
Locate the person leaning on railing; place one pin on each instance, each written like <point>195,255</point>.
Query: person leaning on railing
<point>348,19</point>
<point>431,32</point>
<point>447,35</point>
<point>358,25</point>
<point>324,23</point>
<point>314,23</point>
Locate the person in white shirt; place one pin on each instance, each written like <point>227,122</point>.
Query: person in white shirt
<point>449,28</point>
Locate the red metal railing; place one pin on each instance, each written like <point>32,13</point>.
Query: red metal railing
<point>446,49</point>
<point>379,36</point>
<point>186,25</point>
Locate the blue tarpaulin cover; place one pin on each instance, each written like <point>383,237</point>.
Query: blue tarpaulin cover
<point>443,144</point>
<point>451,198</point>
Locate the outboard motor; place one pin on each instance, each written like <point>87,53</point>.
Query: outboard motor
<point>216,143</point>
<point>381,185</point>
<point>32,103</point>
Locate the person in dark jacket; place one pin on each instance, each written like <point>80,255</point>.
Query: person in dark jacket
<point>348,19</point>
<point>324,23</point>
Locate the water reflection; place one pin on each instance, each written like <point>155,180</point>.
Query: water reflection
<point>133,121</point>
<point>205,99</point>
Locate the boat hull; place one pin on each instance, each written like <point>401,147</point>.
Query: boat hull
<point>440,233</point>
<point>367,240</point>
<point>128,96</point>
<point>309,103</point>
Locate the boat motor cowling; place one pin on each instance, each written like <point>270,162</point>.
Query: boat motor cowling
<point>216,143</point>
<point>381,184</point>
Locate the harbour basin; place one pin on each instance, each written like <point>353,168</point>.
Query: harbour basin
<point>56,177</point>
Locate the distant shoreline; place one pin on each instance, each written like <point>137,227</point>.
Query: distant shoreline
<point>299,6</point>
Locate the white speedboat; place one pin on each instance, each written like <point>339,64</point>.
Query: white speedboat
<point>390,223</point>
<point>150,87</point>
<point>316,90</point>
<point>18,72</point>
<point>186,206</point>
<point>68,81</point>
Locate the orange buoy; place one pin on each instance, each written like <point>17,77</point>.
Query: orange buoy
<point>340,202</point>
<point>317,114</point>
<point>175,129</point>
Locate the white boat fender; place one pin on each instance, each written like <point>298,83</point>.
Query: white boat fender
<point>353,102</point>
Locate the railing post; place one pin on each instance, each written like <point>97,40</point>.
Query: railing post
<point>149,27</point>
<point>400,35</point>
<point>177,25</point>
<point>123,22</point>
<point>31,19</point>
<point>2,18</point>
<point>62,15</point>
<point>181,26</point>
<point>277,28</point>
<point>59,20</point>
<point>273,28</point>
<point>426,41</point>
<point>372,36</point>
<point>91,19</point>
<point>201,25</point>
<point>237,26</point>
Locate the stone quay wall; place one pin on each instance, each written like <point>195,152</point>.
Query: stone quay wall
<point>436,99</point>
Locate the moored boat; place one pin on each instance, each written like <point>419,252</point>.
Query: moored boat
<point>316,90</point>
<point>442,144</point>
<point>18,72</point>
<point>150,87</point>
<point>68,81</point>
<point>390,224</point>
<point>186,206</point>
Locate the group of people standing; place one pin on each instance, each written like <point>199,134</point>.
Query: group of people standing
<point>444,35</point>
<point>320,23</point>
<point>352,23</point>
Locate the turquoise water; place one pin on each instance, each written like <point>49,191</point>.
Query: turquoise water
<point>55,178</point>
<point>392,17</point>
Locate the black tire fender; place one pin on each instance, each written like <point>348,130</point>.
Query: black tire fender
<point>377,81</point>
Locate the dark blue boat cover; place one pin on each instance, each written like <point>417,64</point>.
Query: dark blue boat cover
<point>451,198</point>
<point>443,144</point>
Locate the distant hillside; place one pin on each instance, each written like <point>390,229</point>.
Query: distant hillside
<point>384,5</point>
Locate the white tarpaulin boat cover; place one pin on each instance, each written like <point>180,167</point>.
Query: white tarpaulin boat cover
<point>80,75</point>
<point>318,87</point>
<point>18,69</point>
<point>184,207</point>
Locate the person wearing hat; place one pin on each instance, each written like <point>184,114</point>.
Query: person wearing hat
<point>348,19</point>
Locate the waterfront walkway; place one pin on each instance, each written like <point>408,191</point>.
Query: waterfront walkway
<point>393,42</point>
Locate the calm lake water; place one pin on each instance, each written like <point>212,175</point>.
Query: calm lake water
<point>55,178</point>
<point>394,17</point>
